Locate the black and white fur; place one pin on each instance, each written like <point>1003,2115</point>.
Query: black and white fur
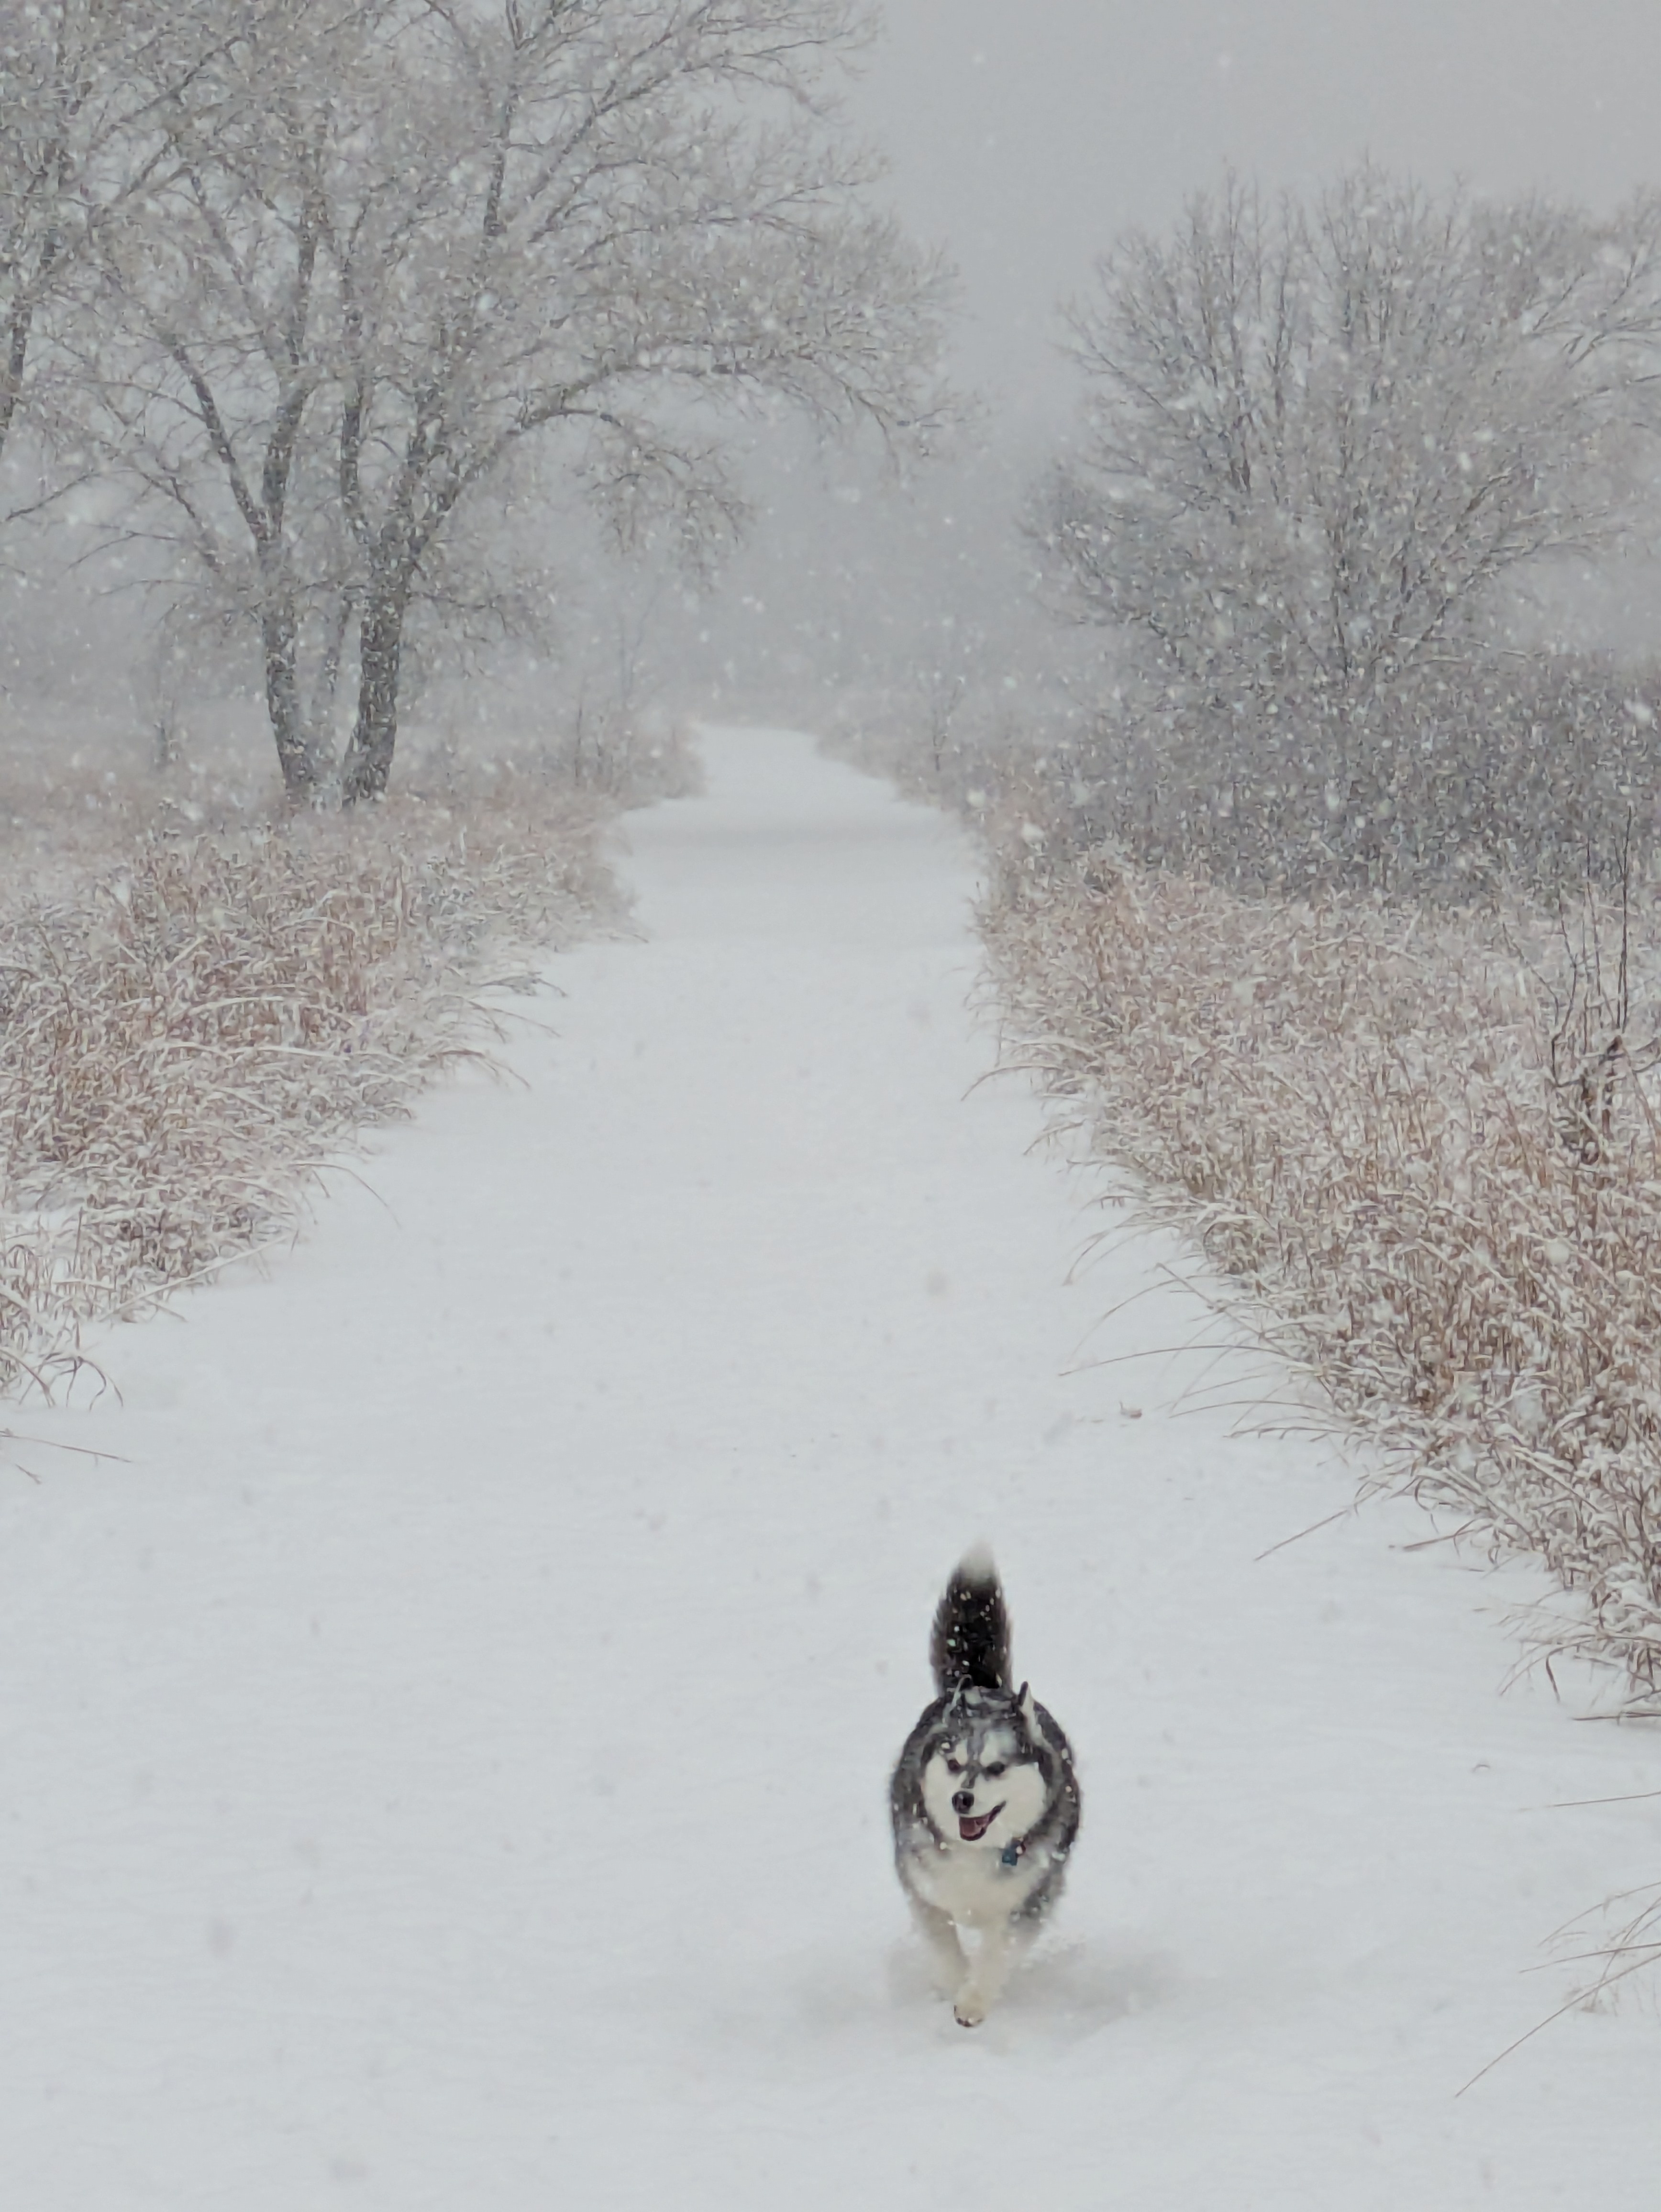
<point>984,1799</point>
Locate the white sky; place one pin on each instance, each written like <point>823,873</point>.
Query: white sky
<point>1024,133</point>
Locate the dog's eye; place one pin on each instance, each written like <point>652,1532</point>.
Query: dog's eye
<point>954,1766</point>
<point>993,1772</point>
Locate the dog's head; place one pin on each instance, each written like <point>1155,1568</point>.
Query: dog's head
<point>986,1778</point>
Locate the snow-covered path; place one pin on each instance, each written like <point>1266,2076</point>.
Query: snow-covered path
<point>444,1758</point>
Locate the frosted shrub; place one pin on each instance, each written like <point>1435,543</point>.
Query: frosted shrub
<point>1522,774</point>
<point>985,752</point>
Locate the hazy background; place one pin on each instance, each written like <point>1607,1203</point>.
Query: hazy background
<point>1022,139</point>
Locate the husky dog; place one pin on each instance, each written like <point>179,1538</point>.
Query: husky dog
<point>984,1798</point>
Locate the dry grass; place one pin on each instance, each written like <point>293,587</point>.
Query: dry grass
<point>1427,1147</point>
<point>189,1030</point>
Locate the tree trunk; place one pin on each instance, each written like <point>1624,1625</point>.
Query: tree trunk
<point>306,770</point>
<point>381,649</point>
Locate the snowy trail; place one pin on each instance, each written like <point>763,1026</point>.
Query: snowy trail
<point>444,1759</point>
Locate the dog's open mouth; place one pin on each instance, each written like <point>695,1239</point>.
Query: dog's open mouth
<point>972,1831</point>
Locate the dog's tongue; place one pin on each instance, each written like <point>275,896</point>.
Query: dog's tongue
<point>972,1831</point>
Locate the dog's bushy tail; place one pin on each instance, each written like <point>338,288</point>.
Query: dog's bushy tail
<point>970,1642</point>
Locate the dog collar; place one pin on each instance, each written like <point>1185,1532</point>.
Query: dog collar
<point>1010,1856</point>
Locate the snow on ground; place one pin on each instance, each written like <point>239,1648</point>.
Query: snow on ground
<point>444,1755</point>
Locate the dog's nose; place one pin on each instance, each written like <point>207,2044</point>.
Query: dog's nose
<point>963,1802</point>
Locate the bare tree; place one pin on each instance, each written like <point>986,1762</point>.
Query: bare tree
<point>77,140</point>
<point>45,59</point>
<point>603,237</point>
<point>398,245</point>
<point>206,362</point>
<point>1317,441</point>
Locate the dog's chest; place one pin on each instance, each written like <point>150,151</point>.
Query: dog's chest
<point>971,1887</point>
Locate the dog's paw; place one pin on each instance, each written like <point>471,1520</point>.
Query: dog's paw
<point>970,2010</point>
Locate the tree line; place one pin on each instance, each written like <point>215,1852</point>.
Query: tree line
<point>326,301</point>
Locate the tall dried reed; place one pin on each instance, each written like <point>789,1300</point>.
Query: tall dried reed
<point>1429,1146</point>
<point>185,1036</point>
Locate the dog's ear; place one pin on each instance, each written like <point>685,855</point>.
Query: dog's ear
<point>1029,1712</point>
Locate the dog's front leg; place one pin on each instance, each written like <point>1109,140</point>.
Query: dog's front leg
<point>940,1937</point>
<point>1000,1946</point>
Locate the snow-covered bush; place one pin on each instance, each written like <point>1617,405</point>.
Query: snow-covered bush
<point>1015,745</point>
<point>1532,772</point>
